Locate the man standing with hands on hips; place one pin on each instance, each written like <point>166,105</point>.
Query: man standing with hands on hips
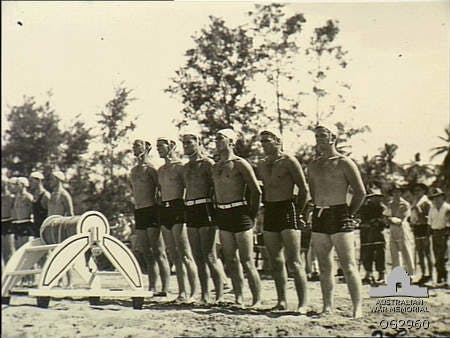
<point>330,177</point>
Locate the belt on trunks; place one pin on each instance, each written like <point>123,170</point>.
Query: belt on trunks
<point>231,205</point>
<point>372,243</point>
<point>197,201</point>
<point>438,230</point>
<point>166,204</point>
<point>323,207</point>
<point>22,221</point>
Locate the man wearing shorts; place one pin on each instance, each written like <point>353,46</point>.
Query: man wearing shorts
<point>22,224</point>
<point>330,177</point>
<point>232,175</point>
<point>280,173</point>
<point>149,242</point>
<point>420,208</point>
<point>202,232</point>
<point>172,218</point>
<point>40,204</point>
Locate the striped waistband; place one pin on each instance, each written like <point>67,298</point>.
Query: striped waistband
<point>231,205</point>
<point>197,201</point>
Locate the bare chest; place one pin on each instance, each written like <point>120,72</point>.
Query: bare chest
<point>225,172</point>
<point>273,172</point>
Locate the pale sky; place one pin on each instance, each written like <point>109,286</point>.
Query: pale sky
<point>398,68</point>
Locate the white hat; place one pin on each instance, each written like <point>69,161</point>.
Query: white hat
<point>228,133</point>
<point>59,175</point>
<point>37,174</point>
<point>170,142</point>
<point>331,128</point>
<point>273,132</point>
<point>192,133</point>
<point>23,181</point>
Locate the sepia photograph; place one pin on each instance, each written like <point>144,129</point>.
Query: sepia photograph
<point>225,168</point>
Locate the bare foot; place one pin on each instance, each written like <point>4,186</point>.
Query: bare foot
<point>357,312</point>
<point>326,311</point>
<point>279,307</point>
<point>256,305</point>
<point>303,310</point>
<point>239,300</point>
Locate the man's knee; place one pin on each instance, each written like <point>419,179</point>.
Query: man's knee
<point>295,264</point>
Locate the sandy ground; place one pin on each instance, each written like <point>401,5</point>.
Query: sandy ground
<point>117,318</point>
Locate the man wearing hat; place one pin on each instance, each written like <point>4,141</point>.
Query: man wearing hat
<point>439,218</point>
<point>373,243</point>
<point>172,218</point>
<point>41,197</point>
<point>235,216</point>
<point>420,208</point>
<point>60,202</point>
<point>202,232</point>
<point>330,178</point>
<point>398,212</point>
<point>282,222</point>
<point>149,241</point>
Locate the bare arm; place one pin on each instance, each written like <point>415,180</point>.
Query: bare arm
<point>154,177</point>
<point>354,179</point>
<point>310,181</point>
<point>298,176</point>
<point>68,205</point>
<point>249,176</point>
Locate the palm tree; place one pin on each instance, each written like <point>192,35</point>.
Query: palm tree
<point>444,149</point>
<point>386,159</point>
<point>416,171</point>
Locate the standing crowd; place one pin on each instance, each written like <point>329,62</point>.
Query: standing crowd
<point>184,213</point>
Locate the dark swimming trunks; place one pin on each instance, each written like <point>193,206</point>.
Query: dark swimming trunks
<point>22,229</point>
<point>421,230</point>
<point>279,216</point>
<point>171,213</point>
<point>6,227</point>
<point>235,219</point>
<point>146,217</point>
<point>199,215</point>
<point>333,219</point>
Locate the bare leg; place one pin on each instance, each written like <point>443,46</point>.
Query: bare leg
<point>407,256</point>
<point>159,251</point>
<point>395,257</point>
<point>272,241</point>
<point>244,241</point>
<point>322,248</point>
<point>229,248</point>
<point>344,243</point>
<point>185,255</point>
<point>291,241</point>
<point>180,273</point>
<point>143,246</point>
<point>203,273</point>
<point>208,245</point>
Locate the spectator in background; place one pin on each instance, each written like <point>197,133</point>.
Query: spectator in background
<point>8,247</point>
<point>401,240</point>
<point>373,243</point>
<point>40,204</point>
<point>60,202</point>
<point>420,208</point>
<point>439,218</point>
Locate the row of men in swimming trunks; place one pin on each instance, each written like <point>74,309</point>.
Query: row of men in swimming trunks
<point>186,195</point>
<point>24,210</point>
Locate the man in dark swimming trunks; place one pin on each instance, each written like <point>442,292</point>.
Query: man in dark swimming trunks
<point>202,232</point>
<point>40,203</point>
<point>149,241</point>
<point>280,173</point>
<point>172,218</point>
<point>330,177</point>
<point>232,175</point>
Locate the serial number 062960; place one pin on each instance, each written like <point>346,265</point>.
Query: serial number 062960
<point>404,324</point>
